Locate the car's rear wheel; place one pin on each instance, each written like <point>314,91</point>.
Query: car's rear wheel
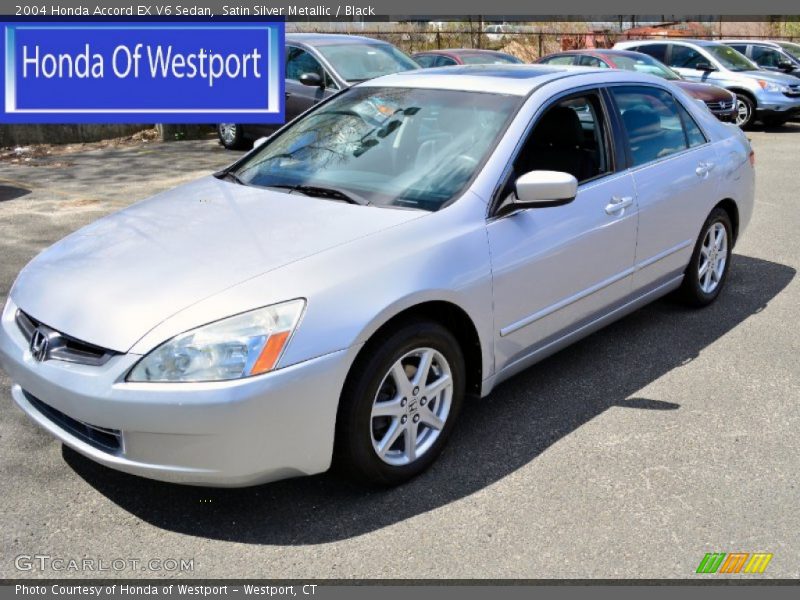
<point>400,403</point>
<point>231,136</point>
<point>745,110</point>
<point>708,268</point>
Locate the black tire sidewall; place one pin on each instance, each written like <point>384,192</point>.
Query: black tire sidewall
<point>354,452</point>
<point>691,282</point>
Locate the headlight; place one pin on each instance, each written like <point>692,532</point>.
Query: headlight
<point>247,344</point>
<point>769,86</point>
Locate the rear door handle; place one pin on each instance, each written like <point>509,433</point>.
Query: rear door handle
<point>618,204</point>
<point>703,169</point>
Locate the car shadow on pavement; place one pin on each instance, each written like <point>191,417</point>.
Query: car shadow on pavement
<point>495,436</point>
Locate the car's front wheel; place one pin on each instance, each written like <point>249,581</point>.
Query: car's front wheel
<point>745,110</point>
<point>400,403</point>
<point>231,135</point>
<point>708,268</point>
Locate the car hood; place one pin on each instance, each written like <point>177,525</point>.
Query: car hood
<point>705,91</point>
<point>111,282</point>
<point>781,78</point>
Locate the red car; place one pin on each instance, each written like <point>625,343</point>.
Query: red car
<point>463,56</point>
<point>719,101</point>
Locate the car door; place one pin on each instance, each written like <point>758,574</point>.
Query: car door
<point>685,60</point>
<point>674,168</point>
<point>300,97</point>
<point>558,267</point>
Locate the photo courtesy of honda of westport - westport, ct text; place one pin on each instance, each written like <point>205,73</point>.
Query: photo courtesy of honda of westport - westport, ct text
<point>335,300</point>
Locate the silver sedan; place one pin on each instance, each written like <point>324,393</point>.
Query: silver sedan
<point>336,294</point>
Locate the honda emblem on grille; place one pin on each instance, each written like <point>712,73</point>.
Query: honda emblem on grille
<point>39,344</point>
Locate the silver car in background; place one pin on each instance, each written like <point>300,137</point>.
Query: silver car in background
<point>770,97</point>
<point>337,293</point>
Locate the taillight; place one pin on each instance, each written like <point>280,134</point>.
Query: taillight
<point>752,158</point>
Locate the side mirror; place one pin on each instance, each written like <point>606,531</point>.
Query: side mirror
<point>311,80</point>
<point>260,142</point>
<point>542,189</point>
<point>785,65</point>
<point>705,66</point>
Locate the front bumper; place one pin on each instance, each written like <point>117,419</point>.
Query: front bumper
<point>776,103</point>
<point>234,433</point>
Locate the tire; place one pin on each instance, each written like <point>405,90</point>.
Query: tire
<point>774,121</point>
<point>702,281</point>
<point>231,135</point>
<point>377,415</point>
<point>745,111</point>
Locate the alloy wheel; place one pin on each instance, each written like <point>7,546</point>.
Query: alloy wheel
<point>227,132</point>
<point>411,406</point>
<point>713,257</point>
<point>742,112</point>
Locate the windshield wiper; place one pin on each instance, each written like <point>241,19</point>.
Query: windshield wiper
<point>324,192</point>
<point>230,176</point>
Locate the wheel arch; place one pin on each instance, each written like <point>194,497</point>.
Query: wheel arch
<point>448,314</point>
<point>729,206</point>
<point>745,92</point>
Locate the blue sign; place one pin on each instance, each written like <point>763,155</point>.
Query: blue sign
<point>169,72</point>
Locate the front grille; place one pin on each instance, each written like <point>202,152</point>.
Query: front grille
<point>793,91</point>
<point>719,106</point>
<point>102,438</point>
<point>61,346</point>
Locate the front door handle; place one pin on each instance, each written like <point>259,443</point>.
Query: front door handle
<point>703,169</point>
<point>618,204</point>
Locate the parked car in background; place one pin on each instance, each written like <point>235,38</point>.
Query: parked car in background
<point>773,98</point>
<point>317,66</point>
<point>496,33</point>
<point>767,55</point>
<point>719,101</point>
<point>313,311</point>
<point>463,56</point>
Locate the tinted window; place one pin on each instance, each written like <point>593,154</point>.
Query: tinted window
<point>657,51</point>
<point>564,59</point>
<point>299,62</point>
<point>591,61</point>
<point>766,57</point>
<point>683,57</point>
<point>425,60</point>
<point>568,137</point>
<point>652,122</point>
<point>694,135</point>
<point>444,61</point>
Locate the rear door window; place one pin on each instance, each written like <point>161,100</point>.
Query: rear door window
<point>653,122</point>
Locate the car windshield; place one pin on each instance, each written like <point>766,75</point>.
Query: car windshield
<point>730,58</point>
<point>792,49</point>
<point>489,59</point>
<point>403,147</point>
<point>645,64</point>
<point>359,62</point>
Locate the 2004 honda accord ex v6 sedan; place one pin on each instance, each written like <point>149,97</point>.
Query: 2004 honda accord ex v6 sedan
<point>334,295</point>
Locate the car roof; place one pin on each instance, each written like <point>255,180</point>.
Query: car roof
<point>516,79</point>
<point>600,52</point>
<point>460,52</point>
<point>671,41</point>
<point>769,43</point>
<point>330,39</point>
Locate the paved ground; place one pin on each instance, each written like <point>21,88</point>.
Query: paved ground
<point>668,435</point>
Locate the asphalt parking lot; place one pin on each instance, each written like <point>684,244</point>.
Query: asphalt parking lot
<point>667,435</point>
